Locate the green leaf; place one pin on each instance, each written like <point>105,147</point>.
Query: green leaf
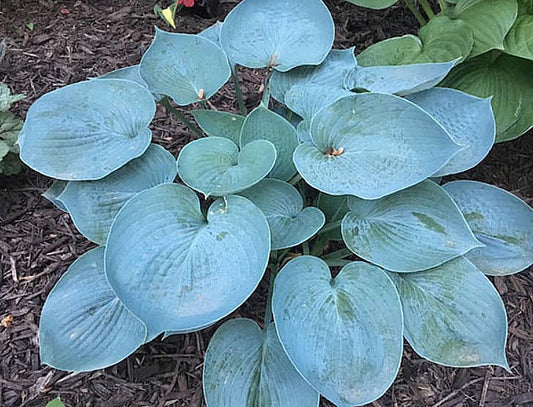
<point>7,99</point>
<point>4,149</point>
<point>10,164</point>
<point>519,40</point>
<point>412,230</point>
<point>344,342</point>
<point>247,367</point>
<point>373,4</point>
<point>508,79</point>
<point>10,126</point>
<point>264,124</point>
<point>290,223</point>
<point>175,269</point>
<point>55,403</point>
<point>220,124</point>
<point>453,315</point>
<point>214,166</point>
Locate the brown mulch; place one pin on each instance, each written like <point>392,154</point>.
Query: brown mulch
<point>38,242</point>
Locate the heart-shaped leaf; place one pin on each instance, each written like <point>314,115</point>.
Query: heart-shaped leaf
<point>412,230</point>
<point>359,361</point>
<point>215,166</point>
<point>87,130</point>
<point>290,223</point>
<point>371,145</point>
<point>277,33</point>
<point>501,221</point>
<point>508,79</point>
<point>264,124</point>
<point>469,121</point>
<point>308,100</point>
<point>93,205</point>
<point>161,247</point>
<point>84,326</point>
<point>188,68</point>
<point>220,124</point>
<point>519,40</point>
<point>334,207</point>
<point>247,367</point>
<point>453,315</point>
<point>373,4</point>
<point>53,193</point>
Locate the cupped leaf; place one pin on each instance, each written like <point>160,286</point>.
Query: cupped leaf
<point>264,124</point>
<point>87,130</point>
<point>401,80</point>
<point>415,229</point>
<point>346,344</point>
<point>373,4</point>
<point>304,131</point>
<point>290,223</point>
<point>277,33</point>
<point>220,124</point>
<point>308,100</point>
<point>53,193</point>
<point>441,40</point>
<point>371,145</point>
<point>188,68</point>
<point>93,205</point>
<point>176,270</point>
<point>469,121</point>
<point>508,79</point>
<point>84,326</point>
<point>501,221</point>
<point>334,207</point>
<point>212,33</point>
<point>453,315</point>
<point>247,367</point>
<point>214,166</point>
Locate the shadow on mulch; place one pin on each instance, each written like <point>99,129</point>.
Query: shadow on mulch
<point>38,242</point>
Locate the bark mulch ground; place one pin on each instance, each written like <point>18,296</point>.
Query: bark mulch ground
<point>38,242</point>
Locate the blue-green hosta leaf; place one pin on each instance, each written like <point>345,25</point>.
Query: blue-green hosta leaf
<point>411,230</point>
<point>290,223</point>
<point>508,79</point>
<point>220,124</point>
<point>176,270</point>
<point>87,130</point>
<point>330,73</point>
<point>212,33</point>
<point>84,326</point>
<point>188,68</point>
<point>346,344</point>
<point>519,40</point>
<point>373,4</point>
<point>469,121</point>
<point>94,204</point>
<point>441,40</point>
<point>308,100</point>
<point>264,124</point>
<point>53,193</point>
<point>130,73</point>
<point>279,33</point>
<point>247,367</point>
<point>304,131</point>
<point>371,145</point>
<point>453,315</point>
<point>214,166</point>
<point>334,207</point>
<point>501,221</point>
<point>288,115</point>
<point>401,80</point>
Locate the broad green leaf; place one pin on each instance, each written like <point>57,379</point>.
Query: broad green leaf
<point>178,271</point>
<point>501,221</point>
<point>87,130</point>
<point>441,40</point>
<point>343,341</point>
<point>84,326</point>
<point>469,121</point>
<point>55,403</point>
<point>371,145</point>
<point>4,149</point>
<point>290,223</point>
<point>401,80</point>
<point>53,193</point>
<point>188,68</point>
<point>489,20</point>
<point>247,367</point>
<point>412,230</point>
<point>7,99</point>
<point>453,315</point>
<point>508,79</point>
<point>275,33</point>
<point>214,166</point>
<point>10,126</point>
<point>10,164</point>
<point>519,40</point>
<point>220,124</point>
<point>334,207</point>
<point>264,124</point>
<point>373,4</point>
<point>93,205</point>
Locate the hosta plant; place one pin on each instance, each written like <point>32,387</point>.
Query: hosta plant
<point>493,42</point>
<point>326,184</point>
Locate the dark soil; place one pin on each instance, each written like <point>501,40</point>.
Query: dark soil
<point>38,242</point>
